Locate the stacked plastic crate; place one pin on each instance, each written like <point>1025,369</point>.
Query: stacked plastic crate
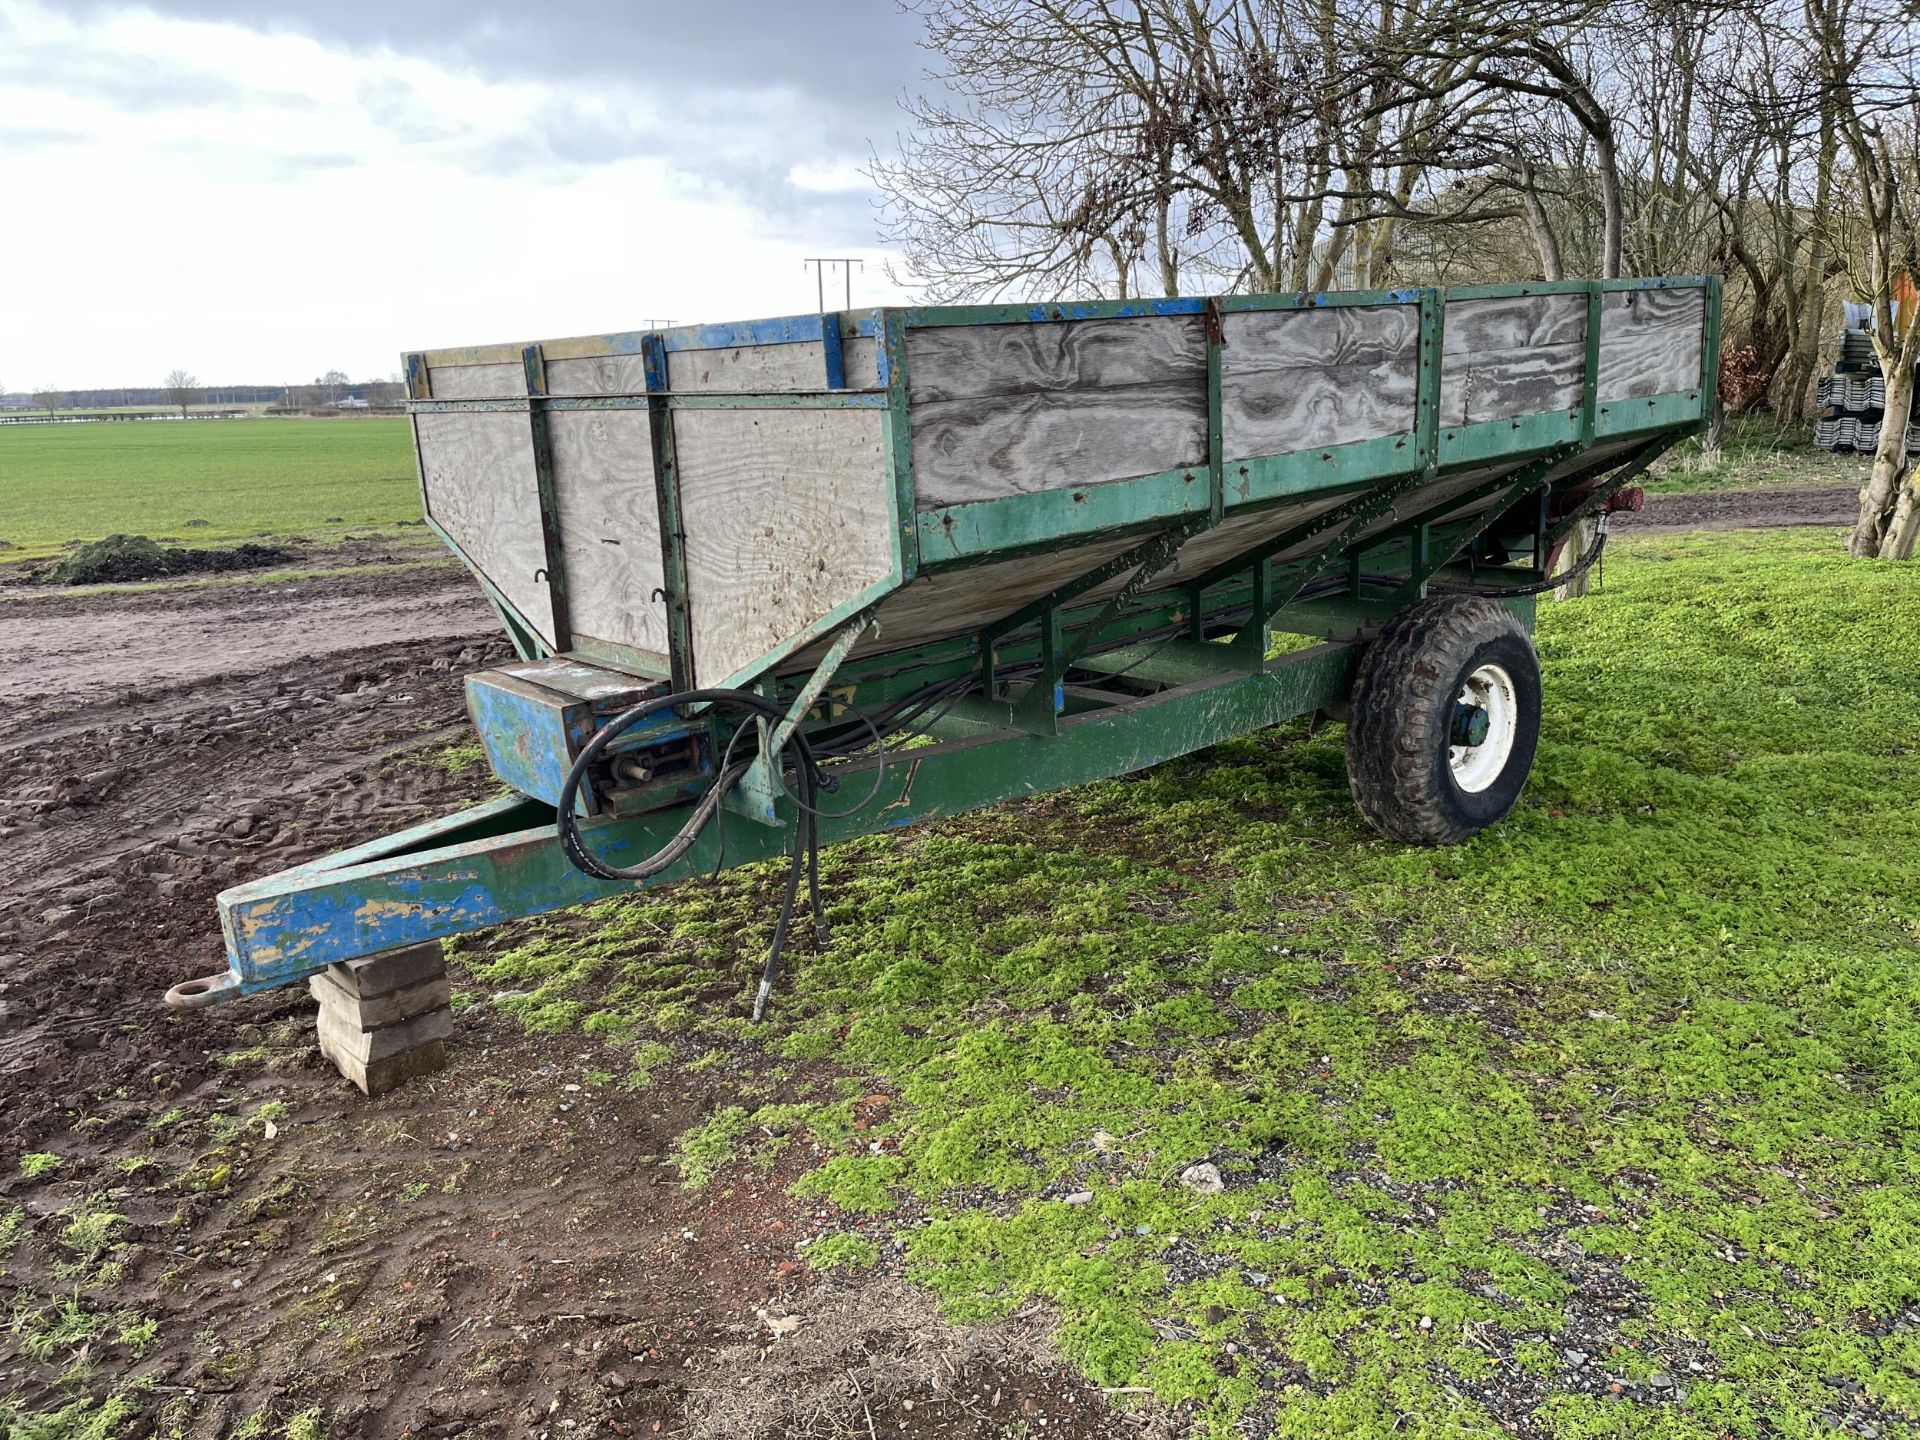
<point>1853,399</point>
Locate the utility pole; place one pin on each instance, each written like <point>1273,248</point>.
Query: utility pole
<point>820,263</point>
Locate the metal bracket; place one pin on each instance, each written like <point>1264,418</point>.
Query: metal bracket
<point>1428,560</point>
<point>673,534</point>
<point>533,365</point>
<point>1036,710</point>
<point>1606,490</point>
<point>760,788</point>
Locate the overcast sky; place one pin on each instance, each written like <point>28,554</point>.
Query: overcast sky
<point>260,190</point>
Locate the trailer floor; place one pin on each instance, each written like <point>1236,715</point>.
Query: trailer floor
<point>499,1251</point>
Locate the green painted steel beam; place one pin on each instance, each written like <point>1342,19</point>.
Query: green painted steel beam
<point>534,367</point>
<point>461,874</point>
<point>674,596</point>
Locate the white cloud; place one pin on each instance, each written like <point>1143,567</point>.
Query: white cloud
<point>837,178</point>
<point>260,207</point>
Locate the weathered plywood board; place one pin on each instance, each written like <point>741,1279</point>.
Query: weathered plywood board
<point>477,470</point>
<point>477,382</point>
<point>1651,342</point>
<point>978,362</point>
<point>1002,410</point>
<point>609,525</point>
<point>787,515</point>
<point>1297,380</point>
<point>598,375</point>
<point>796,365</point>
<point>1518,355</point>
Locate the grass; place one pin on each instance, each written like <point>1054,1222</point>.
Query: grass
<point>1634,1075</point>
<point>211,482</point>
<point>1756,451</point>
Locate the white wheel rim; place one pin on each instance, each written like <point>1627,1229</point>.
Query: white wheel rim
<point>1475,767</point>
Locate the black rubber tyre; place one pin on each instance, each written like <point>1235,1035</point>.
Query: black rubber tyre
<point>1401,728</point>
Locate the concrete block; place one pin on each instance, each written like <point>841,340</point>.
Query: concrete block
<point>340,1037</point>
<point>377,1077</point>
<point>374,975</point>
<point>372,1012</point>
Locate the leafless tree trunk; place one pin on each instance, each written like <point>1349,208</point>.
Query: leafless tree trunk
<point>182,390</point>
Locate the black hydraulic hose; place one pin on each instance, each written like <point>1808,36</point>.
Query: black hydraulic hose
<point>1573,572</point>
<point>806,843</point>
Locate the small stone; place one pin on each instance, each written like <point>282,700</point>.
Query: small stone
<point>1078,1197</point>
<point>1660,1380</point>
<point>1575,1358</point>
<point>1215,1314</point>
<point>1426,1322</point>
<point>1203,1179</point>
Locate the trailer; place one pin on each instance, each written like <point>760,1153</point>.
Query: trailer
<point>818,576</point>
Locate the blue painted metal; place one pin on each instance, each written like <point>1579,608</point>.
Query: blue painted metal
<point>836,366</point>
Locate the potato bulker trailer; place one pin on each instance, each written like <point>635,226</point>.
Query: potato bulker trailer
<point>743,564</point>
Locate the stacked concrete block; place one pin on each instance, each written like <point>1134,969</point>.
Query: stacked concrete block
<point>386,1018</point>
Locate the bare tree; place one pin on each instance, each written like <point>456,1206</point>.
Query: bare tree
<point>182,390</point>
<point>1868,58</point>
<point>49,399</point>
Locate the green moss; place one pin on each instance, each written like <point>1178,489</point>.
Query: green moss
<point>84,1419</point>
<point>38,1164</point>
<point>1654,1036</point>
<point>844,1251</point>
<point>13,1225</point>
<point>705,1148</point>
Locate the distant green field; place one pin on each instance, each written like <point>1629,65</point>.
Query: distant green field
<point>244,478</point>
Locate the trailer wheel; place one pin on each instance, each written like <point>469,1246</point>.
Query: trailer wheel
<point>1445,717</point>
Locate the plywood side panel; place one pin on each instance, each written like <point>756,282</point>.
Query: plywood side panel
<point>1297,380</point>
<point>1513,356</point>
<point>976,362</point>
<point>609,525</point>
<point>969,450</point>
<point>477,382</point>
<point>477,469</point>
<point>598,375</point>
<point>787,516</point>
<point>797,365</point>
<point>1002,410</point>
<point>1651,342</point>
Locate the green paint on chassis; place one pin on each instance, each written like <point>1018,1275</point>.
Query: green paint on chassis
<point>1635,1074</point>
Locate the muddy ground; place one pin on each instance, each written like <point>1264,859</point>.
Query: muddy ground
<point>501,1250</point>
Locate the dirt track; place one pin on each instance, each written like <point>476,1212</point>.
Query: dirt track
<point>1782,505</point>
<point>489,1252</point>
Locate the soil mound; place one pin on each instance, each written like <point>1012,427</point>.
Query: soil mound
<point>136,557</point>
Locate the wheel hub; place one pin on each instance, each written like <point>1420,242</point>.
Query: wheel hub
<point>1470,724</point>
<point>1482,729</point>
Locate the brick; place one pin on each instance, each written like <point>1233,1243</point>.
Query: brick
<point>375,975</point>
<point>370,1013</point>
<point>377,1077</point>
<point>340,1038</point>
